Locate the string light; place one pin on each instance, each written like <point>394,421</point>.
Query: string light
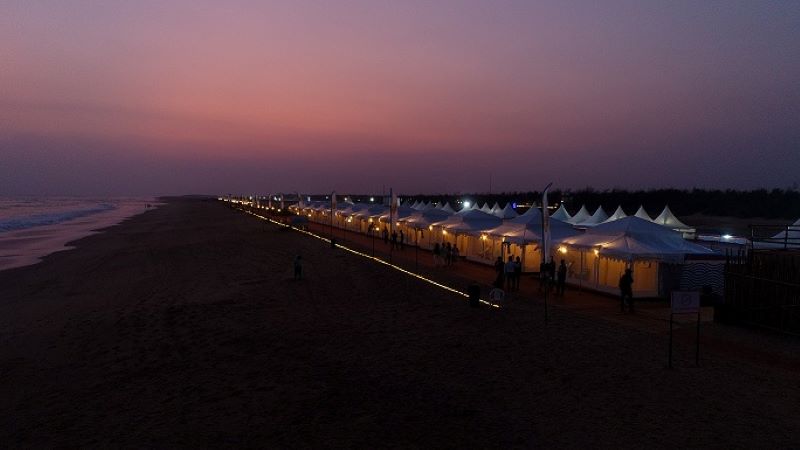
<point>374,258</point>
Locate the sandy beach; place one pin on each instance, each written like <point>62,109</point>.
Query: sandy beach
<point>184,327</point>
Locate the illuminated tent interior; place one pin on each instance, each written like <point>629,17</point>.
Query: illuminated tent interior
<point>597,258</point>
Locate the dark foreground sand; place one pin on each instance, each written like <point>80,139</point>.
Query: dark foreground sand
<point>183,327</point>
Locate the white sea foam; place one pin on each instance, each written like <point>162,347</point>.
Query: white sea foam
<point>31,228</point>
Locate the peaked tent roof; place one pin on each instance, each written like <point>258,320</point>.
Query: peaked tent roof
<point>447,208</point>
<point>635,238</point>
<point>597,218</point>
<point>530,230</point>
<point>505,213</point>
<point>466,209</point>
<point>427,217</point>
<point>486,208</point>
<point>667,219</point>
<point>618,214</point>
<point>561,214</point>
<point>580,216</point>
<point>642,214</point>
<point>475,221</point>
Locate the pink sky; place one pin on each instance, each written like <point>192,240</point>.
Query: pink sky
<point>105,97</point>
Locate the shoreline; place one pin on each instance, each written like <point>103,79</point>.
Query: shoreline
<point>20,248</point>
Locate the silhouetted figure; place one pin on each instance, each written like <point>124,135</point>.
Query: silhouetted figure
<point>448,254</point>
<point>626,291</point>
<point>544,273</point>
<point>385,235</point>
<point>437,251</point>
<point>394,240</point>
<point>562,278</point>
<point>474,292</point>
<point>455,254</point>
<point>499,268</point>
<point>298,267</point>
<point>517,272</point>
<point>509,273</point>
<point>402,240</point>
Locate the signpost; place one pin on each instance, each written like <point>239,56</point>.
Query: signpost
<point>685,302</point>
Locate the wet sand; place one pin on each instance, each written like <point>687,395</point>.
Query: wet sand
<point>183,327</point>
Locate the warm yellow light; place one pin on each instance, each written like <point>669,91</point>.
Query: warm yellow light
<point>483,236</point>
<point>444,231</point>
<point>562,249</point>
<point>430,227</point>
<point>596,252</point>
<point>370,220</point>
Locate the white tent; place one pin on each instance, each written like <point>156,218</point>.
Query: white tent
<point>580,216</point>
<point>599,257</point>
<point>474,221</point>
<point>667,219</point>
<point>788,238</point>
<point>486,208</point>
<point>524,233</point>
<point>466,209</point>
<point>642,214</point>
<point>618,214</point>
<point>505,213</point>
<point>634,238</point>
<point>597,218</point>
<point>561,214</point>
<point>448,208</point>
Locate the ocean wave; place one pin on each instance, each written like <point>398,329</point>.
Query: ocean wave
<point>37,220</point>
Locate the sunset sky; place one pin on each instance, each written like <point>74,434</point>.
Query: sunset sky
<point>160,97</point>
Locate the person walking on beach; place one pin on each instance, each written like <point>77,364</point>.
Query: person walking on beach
<point>394,240</point>
<point>562,278</point>
<point>298,267</point>
<point>517,272</point>
<point>626,291</point>
<point>499,268</point>
<point>437,250</point>
<point>509,274</point>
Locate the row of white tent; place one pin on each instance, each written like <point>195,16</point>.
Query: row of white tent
<point>596,256</point>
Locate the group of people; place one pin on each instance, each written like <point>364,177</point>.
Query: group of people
<point>508,273</point>
<point>446,254</point>
<point>548,274</point>
<point>398,241</point>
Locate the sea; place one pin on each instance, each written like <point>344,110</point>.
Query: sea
<point>33,227</point>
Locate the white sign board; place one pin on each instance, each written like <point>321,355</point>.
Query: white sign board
<point>685,302</point>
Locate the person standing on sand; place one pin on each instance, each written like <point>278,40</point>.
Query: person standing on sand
<point>499,268</point>
<point>509,274</point>
<point>436,252</point>
<point>394,240</point>
<point>402,240</point>
<point>385,235</point>
<point>626,291</point>
<point>455,254</point>
<point>448,254</point>
<point>562,278</point>
<point>543,274</point>
<point>517,272</point>
<point>298,267</point>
